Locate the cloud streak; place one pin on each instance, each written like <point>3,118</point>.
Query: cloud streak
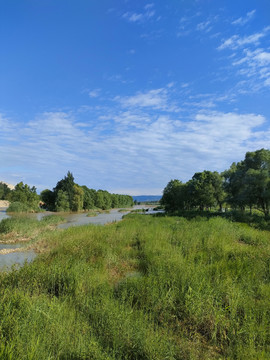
<point>139,144</point>
<point>134,17</point>
<point>235,41</point>
<point>244,19</point>
<point>250,59</point>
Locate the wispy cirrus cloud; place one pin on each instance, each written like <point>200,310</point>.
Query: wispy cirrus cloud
<point>157,99</point>
<point>255,64</point>
<point>135,17</point>
<point>94,93</point>
<point>244,19</point>
<point>250,60</point>
<point>236,41</point>
<point>204,26</point>
<point>196,23</point>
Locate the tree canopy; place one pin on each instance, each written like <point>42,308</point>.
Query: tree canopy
<point>26,195</point>
<point>69,196</point>
<point>244,184</point>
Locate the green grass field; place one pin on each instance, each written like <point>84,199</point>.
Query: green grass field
<point>144,288</point>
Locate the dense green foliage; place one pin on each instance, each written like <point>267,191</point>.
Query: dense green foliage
<point>4,191</point>
<point>248,182</point>
<point>23,199</point>
<point>245,184</point>
<point>145,288</point>
<point>69,196</point>
<point>66,196</point>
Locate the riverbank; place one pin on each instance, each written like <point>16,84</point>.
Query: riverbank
<point>4,204</point>
<point>29,229</point>
<point>143,288</point>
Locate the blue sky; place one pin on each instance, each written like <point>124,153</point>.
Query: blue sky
<point>130,94</point>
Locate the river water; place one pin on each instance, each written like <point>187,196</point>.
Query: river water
<point>76,219</point>
<point>83,219</point>
<point>3,214</point>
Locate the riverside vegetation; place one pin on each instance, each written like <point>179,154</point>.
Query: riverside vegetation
<point>66,196</point>
<point>148,287</point>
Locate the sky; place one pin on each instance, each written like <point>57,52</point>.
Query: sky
<point>128,95</point>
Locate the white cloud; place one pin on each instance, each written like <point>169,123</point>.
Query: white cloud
<point>262,57</point>
<point>94,93</point>
<point>145,15</point>
<point>204,26</point>
<point>157,99</point>
<point>5,125</point>
<point>250,61</point>
<point>236,41</point>
<point>134,148</point>
<point>255,64</point>
<point>243,20</point>
<point>133,17</point>
<point>149,6</point>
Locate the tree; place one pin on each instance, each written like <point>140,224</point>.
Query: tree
<point>257,178</point>
<point>66,185</point>
<point>25,194</point>
<point>103,199</point>
<point>248,182</point>
<point>201,189</point>
<point>89,198</point>
<point>62,201</point>
<point>219,194</point>
<point>174,196</point>
<point>4,191</point>
<point>48,197</point>
<point>234,187</point>
<point>100,200</point>
<point>77,199</point>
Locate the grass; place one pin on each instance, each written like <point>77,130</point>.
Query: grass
<point>22,228</point>
<point>92,213</point>
<point>19,207</point>
<point>144,288</point>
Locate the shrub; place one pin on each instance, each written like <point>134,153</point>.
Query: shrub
<point>18,207</point>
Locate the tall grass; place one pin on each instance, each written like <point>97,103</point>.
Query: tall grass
<point>23,228</point>
<point>144,288</point>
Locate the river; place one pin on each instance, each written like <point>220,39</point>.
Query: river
<point>72,219</point>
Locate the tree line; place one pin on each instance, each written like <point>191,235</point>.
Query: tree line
<point>245,184</point>
<point>65,196</point>
<point>69,196</point>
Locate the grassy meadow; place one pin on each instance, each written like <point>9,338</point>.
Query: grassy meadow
<point>144,288</point>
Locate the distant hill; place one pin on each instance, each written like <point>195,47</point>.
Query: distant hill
<point>146,198</point>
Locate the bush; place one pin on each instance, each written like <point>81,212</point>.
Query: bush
<point>52,219</point>
<point>18,207</point>
<point>6,226</point>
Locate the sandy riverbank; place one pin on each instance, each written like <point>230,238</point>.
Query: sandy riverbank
<point>9,251</point>
<point>4,203</point>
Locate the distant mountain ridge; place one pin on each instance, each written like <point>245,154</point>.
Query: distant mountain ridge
<point>145,198</point>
